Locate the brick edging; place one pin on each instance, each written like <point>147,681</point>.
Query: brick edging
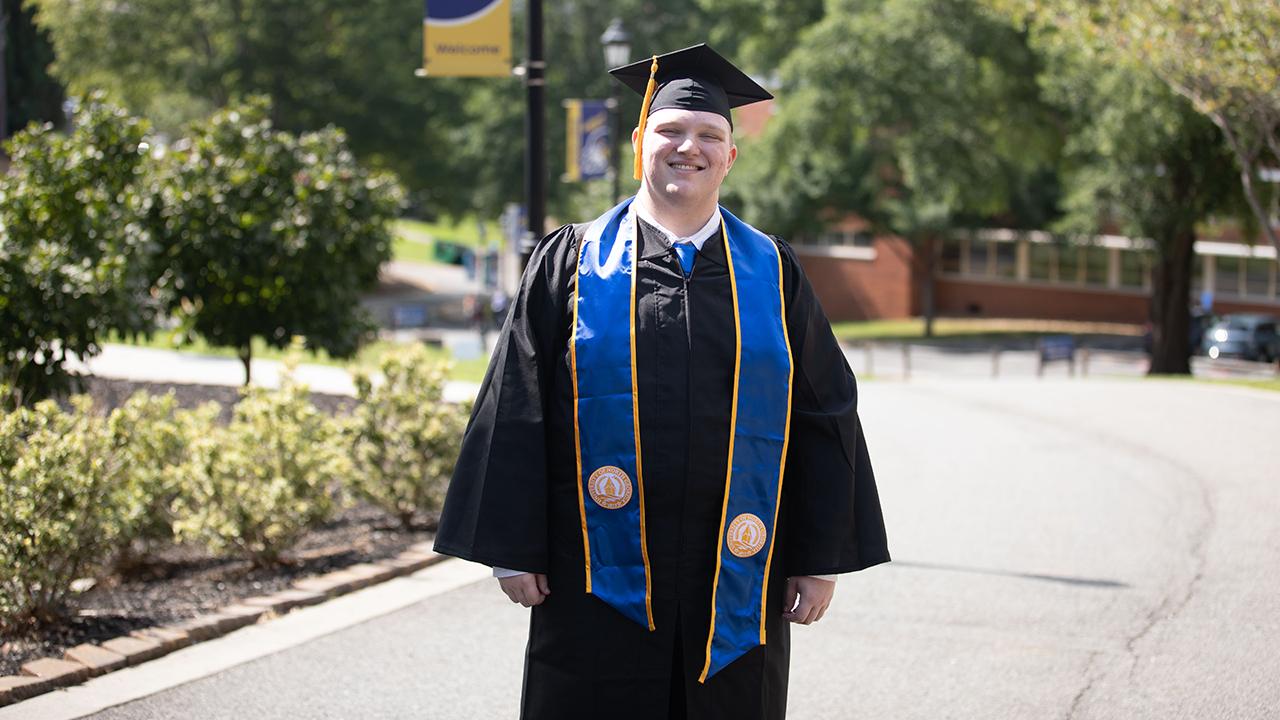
<point>88,660</point>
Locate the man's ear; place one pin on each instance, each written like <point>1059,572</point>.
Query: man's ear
<point>635,137</point>
<point>733,155</point>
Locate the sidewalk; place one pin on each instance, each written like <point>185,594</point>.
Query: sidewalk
<point>126,362</point>
<point>335,634</point>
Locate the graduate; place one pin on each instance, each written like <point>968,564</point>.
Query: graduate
<point>665,460</point>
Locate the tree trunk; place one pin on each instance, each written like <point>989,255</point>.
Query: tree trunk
<point>246,355</point>
<point>1170,298</point>
<point>927,287</point>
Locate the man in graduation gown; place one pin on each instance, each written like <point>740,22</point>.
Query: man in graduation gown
<point>663,575</point>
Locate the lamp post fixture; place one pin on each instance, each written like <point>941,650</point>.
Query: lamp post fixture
<point>617,52</point>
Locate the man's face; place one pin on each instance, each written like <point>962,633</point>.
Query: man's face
<point>686,155</point>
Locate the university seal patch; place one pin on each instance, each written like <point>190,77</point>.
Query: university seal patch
<point>611,488</point>
<point>746,535</point>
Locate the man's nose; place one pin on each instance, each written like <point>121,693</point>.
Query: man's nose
<point>688,147</point>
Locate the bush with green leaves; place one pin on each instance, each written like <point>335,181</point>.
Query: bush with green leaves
<point>255,486</point>
<point>59,472</point>
<point>405,437</point>
<point>151,436</point>
<point>73,239</point>
<point>271,235</point>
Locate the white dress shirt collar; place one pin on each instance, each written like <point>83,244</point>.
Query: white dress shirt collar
<point>697,239</point>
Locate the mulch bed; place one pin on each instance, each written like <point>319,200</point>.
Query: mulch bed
<point>181,581</point>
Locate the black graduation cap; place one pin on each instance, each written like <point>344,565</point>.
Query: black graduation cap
<point>695,78</point>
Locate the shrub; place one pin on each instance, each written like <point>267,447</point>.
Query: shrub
<point>151,437</point>
<point>58,472</point>
<point>255,486</point>
<point>405,438</point>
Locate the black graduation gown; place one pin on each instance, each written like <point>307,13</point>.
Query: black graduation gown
<point>513,500</point>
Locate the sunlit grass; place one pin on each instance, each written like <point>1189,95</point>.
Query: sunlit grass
<point>369,355</point>
<point>974,329</point>
<point>1272,385</point>
<point>415,240</point>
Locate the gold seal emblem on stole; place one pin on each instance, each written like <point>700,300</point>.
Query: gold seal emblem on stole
<point>746,535</point>
<point>610,487</point>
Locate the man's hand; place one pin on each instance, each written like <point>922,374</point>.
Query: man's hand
<point>528,589</point>
<point>815,596</point>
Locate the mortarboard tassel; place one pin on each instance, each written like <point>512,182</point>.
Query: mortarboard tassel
<point>644,117</point>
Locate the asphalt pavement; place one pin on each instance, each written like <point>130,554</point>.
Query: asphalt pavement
<point>1063,549</point>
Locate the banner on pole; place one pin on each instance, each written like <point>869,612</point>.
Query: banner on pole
<point>466,38</point>
<point>586,140</point>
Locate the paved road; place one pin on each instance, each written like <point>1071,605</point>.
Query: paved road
<point>1063,549</point>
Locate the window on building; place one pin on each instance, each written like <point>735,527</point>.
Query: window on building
<point>1069,264</point>
<point>1131,262</point>
<point>1258,277</point>
<point>1043,261</point>
<point>1098,260</point>
<point>1227,278</point>
<point>951,256</point>
<point>1006,260</point>
<point>978,252</point>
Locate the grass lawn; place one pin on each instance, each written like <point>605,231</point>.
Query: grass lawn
<point>965,329</point>
<point>469,370</point>
<point>415,239</point>
<point>1272,385</point>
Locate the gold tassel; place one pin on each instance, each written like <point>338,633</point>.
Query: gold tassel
<point>644,118</point>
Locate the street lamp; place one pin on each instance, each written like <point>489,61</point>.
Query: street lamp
<point>617,52</point>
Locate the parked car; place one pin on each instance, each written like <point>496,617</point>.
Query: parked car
<point>1251,336</point>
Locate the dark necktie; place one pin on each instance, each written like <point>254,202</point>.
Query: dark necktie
<point>687,252</point>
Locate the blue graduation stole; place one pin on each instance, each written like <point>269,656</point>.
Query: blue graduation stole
<point>607,430</point>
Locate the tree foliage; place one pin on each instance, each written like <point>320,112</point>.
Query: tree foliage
<point>458,144</point>
<point>73,243</point>
<point>1222,56</point>
<point>1139,160</point>
<point>347,63</point>
<point>912,113</point>
<point>266,234</point>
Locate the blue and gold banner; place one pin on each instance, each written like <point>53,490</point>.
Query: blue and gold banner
<point>586,140</point>
<point>466,38</point>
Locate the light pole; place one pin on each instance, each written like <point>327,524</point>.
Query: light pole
<point>535,136</point>
<point>617,52</point>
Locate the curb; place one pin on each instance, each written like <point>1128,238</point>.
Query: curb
<point>88,660</point>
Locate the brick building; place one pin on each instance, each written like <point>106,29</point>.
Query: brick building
<point>1007,274</point>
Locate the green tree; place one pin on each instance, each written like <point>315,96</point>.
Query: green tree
<point>347,63</point>
<point>72,247</point>
<point>920,116</point>
<point>266,234</point>
<point>1222,56</point>
<point>1140,160</point>
<point>457,143</point>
